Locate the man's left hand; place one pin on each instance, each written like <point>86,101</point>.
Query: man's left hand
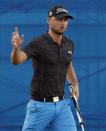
<point>75,90</point>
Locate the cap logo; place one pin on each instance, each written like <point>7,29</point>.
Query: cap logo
<point>61,10</point>
<point>50,13</point>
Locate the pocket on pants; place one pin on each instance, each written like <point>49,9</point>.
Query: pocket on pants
<point>32,106</point>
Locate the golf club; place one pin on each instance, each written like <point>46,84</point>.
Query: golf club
<point>77,108</point>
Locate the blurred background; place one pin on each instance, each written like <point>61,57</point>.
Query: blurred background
<point>88,32</point>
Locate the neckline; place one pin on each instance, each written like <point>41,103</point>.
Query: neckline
<point>49,37</point>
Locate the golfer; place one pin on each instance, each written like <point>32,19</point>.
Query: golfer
<point>51,55</point>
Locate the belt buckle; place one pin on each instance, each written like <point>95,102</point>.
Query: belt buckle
<point>55,99</point>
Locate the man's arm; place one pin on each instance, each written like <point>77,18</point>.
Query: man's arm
<point>17,56</point>
<point>72,79</point>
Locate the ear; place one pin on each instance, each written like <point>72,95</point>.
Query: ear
<point>48,20</point>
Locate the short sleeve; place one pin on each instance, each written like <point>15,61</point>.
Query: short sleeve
<point>31,49</point>
<point>67,51</point>
<point>72,46</point>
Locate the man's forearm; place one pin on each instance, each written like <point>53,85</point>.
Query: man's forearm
<point>71,76</point>
<point>17,56</point>
<point>72,79</point>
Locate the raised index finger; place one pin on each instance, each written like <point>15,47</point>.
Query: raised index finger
<point>16,31</point>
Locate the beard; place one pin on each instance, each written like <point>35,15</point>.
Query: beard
<point>56,31</point>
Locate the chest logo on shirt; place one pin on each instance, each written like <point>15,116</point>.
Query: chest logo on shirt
<point>70,52</point>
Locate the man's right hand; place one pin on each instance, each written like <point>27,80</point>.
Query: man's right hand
<point>16,40</point>
<point>17,56</point>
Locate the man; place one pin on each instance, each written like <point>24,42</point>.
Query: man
<point>51,55</point>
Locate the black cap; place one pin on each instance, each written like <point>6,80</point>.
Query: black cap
<point>59,12</point>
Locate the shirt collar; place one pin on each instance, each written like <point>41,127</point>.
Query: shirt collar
<point>49,37</point>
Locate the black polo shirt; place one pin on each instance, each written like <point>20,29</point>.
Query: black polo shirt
<point>50,62</point>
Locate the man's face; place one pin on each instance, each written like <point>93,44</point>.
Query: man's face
<point>58,26</point>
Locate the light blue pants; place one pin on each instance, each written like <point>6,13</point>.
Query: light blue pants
<point>49,116</point>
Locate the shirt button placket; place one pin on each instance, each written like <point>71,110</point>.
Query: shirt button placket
<point>60,51</point>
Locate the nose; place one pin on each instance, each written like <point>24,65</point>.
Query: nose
<point>63,22</point>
